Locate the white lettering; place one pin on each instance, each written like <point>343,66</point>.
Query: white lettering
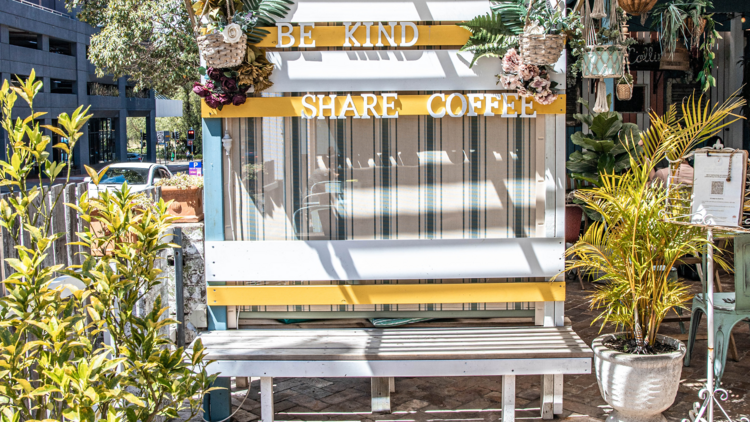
<point>369,105</point>
<point>449,105</point>
<point>308,106</point>
<point>526,104</point>
<point>381,31</point>
<point>289,28</point>
<point>509,106</point>
<point>490,102</point>
<point>306,35</point>
<point>387,105</point>
<point>367,31</point>
<point>348,106</point>
<point>429,105</point>
<point>474,103</point>
<point>349,32</point>
<point>403,34</point>
<point>330,106</point>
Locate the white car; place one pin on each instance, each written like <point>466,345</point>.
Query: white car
<point>139,176</point>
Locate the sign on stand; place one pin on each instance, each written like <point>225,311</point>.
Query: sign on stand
<point>718,187</point>
<point>195,168</point>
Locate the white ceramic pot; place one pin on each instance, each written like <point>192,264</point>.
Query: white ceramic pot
<point>638,387</point>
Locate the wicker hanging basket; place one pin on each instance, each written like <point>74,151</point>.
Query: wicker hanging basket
<point>637,7</point>
<point>603,61</point>
<point>220,54</point>
<point>624,92</point>
<point>539,49</point>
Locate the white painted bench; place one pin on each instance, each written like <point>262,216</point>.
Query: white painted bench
<point>381,354</point>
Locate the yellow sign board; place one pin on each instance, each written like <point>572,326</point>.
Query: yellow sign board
<point>390,105</point>
<point>364,34</point>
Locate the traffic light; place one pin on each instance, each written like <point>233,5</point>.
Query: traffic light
<point>143,136</point>
<point>191,135</point>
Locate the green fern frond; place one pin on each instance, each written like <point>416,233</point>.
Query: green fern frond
<point>268,12</point>
<point>491,36</point>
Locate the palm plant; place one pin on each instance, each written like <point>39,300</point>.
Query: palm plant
<point>494,33</point>
<point>635,246</point>
<point>266,11</point>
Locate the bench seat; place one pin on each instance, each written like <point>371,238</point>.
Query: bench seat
<point>396,352</point>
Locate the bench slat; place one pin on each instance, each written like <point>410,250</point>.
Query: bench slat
<point>395,344</point>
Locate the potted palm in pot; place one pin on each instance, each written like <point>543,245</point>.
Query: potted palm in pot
<point>186,194</point>
<point>634,249</point>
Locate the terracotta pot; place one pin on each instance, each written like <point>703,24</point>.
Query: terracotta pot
<point>636,7</point>
<point>188,203</point>
<point>99,230</point>
<point>573,215</point>
<point>638,387</point>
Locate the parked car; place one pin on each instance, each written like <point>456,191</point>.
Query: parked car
<point>134,156</point>
<point>139,176</point>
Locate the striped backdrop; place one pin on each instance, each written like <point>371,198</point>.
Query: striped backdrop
<point>413,177</point>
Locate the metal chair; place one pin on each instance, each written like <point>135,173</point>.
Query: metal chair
<point>729,308</point>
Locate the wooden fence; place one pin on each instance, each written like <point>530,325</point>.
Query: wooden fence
<point>64,220</point>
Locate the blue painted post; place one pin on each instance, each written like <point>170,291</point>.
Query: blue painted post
<point>218,405</point>
<point>610,82</point>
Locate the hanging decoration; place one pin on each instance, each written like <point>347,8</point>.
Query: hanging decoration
<point>227,33</point>
<point>598,11</point>
<point>538,45</point>
<point>637,7</point>
<point>527,79</point>
<point>605,48</point>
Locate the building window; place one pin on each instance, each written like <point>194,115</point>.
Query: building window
<point>60,47</point>
<point>103,90</point>
<point>24,39</point>
<point>14,79</point>
<point>101,140</point>
<point>62,86</point>
<point>131,92</point>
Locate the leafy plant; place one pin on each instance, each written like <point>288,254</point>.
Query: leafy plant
<point>689,20</point>
<point>605,147</point>
<point>55,365</point>
<point>260,13</point>
<point>625,79</point>
<point>636,245</point>
<point>182,181</point>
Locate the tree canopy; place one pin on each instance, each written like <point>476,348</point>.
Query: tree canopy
<point>150,41</point>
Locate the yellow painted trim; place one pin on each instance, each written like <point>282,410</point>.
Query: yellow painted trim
<point>385,294</point>
<point>334,36</point>
<point>406,105</point>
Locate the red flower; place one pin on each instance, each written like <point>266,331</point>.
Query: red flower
<point>239,99</point>
<point>213,101</point>
<point>200,90</point>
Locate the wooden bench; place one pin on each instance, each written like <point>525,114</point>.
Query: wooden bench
<point>398,352</point>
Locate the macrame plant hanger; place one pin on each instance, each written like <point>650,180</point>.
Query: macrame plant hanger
<point>601,105</point>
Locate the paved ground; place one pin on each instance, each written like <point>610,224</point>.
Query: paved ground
<point>479,398</point>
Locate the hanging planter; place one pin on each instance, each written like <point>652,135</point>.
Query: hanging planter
<point>679,60</point>
<point>219,53</point>
<point>625,88</point>
<point>537,46</point>
<point>603,61</point>
<point>637,7</point>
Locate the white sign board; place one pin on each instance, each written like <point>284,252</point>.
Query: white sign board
<point>718,187</point>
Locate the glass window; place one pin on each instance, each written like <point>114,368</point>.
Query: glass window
<point>413,177</point>
<point>118,176</point>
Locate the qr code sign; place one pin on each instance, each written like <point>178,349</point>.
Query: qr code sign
<point>717,188</point>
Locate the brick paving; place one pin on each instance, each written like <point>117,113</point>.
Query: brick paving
<point>479,398</point>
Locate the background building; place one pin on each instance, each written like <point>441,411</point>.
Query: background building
<point>43,36</point>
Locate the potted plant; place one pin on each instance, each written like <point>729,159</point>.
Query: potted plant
<point>634,248</point>
<point>186,194</point>
<point>625,87</point>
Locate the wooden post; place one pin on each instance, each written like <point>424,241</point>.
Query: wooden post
<point>547,397</point>
<point>220,405</point>
<point>381,395</point>
<point>509,398</point>
<point>266,399</point>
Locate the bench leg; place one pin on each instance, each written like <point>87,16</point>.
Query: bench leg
<point>217,405</point>
<point>392,384</point>
<point>381,395</point>
<point>509,398</point>
<point>266,399</point>
<point>242,382</point>
<point>551,396</point>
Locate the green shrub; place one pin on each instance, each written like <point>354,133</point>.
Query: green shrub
<point>53,364</point>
